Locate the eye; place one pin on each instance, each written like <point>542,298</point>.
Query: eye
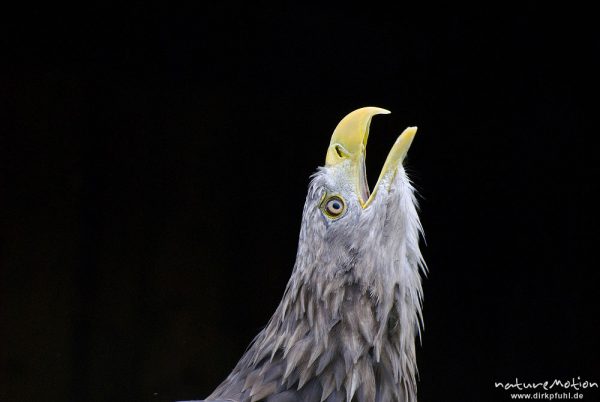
<point>334,207</point>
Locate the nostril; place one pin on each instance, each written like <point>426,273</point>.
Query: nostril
<point>338,150</point>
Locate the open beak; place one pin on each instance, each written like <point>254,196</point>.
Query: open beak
<point>349,142</point>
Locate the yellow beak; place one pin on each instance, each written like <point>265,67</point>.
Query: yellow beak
<point>349,142</point>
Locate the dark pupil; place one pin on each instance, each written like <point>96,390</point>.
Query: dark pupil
<point>335,206</point>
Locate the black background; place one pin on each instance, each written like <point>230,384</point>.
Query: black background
<point>156,162</point>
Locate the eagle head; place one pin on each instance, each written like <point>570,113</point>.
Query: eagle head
<point>346,326</point>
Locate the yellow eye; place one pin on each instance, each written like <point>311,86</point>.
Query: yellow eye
<point>334,207</point>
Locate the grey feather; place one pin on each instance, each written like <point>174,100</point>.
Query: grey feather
<point>346,326</point>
